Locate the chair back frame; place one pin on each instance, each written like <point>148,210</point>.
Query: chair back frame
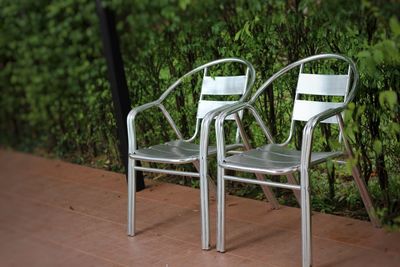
<point>249,77</point>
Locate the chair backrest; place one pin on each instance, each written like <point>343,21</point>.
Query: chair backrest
<point>220,86</point>
<point>217,86</point>
<point>329,85</point>
<point>324,86</point>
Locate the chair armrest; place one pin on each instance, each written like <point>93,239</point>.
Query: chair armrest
<point>205,127</point>
<point>231,109</point>
<point>308,132</point>
<point>132,114</point>
<point>130,120</point>
<point>219,126</point>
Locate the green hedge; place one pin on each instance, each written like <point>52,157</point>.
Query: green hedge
<point>55,96</point>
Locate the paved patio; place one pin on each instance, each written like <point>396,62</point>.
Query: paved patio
<point>54,213</point>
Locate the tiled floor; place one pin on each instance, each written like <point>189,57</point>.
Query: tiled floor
<point>54,213</point>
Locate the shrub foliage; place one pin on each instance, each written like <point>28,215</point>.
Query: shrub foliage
<point>55,96</point>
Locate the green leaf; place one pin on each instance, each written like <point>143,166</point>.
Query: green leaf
<point>377,147</point>
<point>394,26</point>
<point>378,56</point>
<point>364,54</point>
<point>164,73</point>
<point>388,99</point>
<point>246,29</point>
<point>184,3</point>
<point>237,35</point>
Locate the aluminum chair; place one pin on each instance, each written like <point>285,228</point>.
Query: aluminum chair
<point>278,159</point>
<point>184,151</point>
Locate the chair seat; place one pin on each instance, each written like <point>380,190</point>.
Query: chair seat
<point>177,152</point>
<point>273,159</point>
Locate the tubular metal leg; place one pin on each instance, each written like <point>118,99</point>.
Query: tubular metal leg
<point>362,188</point>
<point>212,188</point>
<point>305,220</point>
<point>131,197</point>
<point>205,221</point>
<point>267,191</point>
<point>221,210</point>
<point>360,183</point>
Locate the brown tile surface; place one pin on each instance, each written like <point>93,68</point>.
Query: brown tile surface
<point>54,213</point>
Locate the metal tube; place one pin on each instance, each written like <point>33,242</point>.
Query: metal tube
<point>305,194</point>
<point>220,210</point>
<point>170,121</point>
<point>132,125</point>
<point>291,179</point>
<point>260,122</point>
<point>204,178</point>
<point>360,183</point>
<point>200,68</point>
<point>196,131</point>
<point>306,146</point>
<point>267,191</point>
<point>201,167</point>
<point>305,220</point>
<point>268,183</point>
<point>305,60</point>
<point>181,173</point>
<point>131,197</point>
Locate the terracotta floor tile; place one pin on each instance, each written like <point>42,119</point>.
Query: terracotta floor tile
<point>54,213</point>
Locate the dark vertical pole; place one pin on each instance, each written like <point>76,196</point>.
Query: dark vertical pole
<point>116,76</point>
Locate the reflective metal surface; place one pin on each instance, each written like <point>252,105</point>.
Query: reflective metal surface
<point>277,159</point>
<point>184,151</point>
<point>273,159</point>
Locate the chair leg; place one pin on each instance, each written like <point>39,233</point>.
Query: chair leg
<point>205,221</point>
<point>131,197</point>
<point>362,187</point>
<point>306,220</point>
<point>268,192</point>
<point>220,210</point>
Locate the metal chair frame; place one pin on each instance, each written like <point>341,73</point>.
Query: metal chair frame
<point>198,153</point>
<point>300,161</point>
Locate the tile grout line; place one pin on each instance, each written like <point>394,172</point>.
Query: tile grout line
<point>158,201</point>
<point>317,236</point>
<point>174,205</point>
<point>79,250</point>
<point>112,222</point>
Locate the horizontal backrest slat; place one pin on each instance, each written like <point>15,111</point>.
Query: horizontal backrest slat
<point>303,110</point>
<point>206,106</point>
<point>224,85</point>
<point>322,84</point>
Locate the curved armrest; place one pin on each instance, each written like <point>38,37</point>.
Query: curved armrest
<point>132,114</point>
<point>234,109</point>
<point>130,120</point>
<point>206,123</point>
<point>308,132</point>
<point>231,109</point>
<point>219,126</point>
